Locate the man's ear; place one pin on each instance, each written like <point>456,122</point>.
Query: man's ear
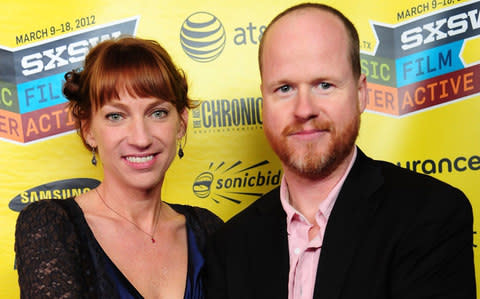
<point>183,123</point>
<point>362,92</point>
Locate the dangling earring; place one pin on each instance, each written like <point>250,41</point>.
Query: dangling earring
<point>94,159</point>
<point>180,148</point>
<point>180,151</point>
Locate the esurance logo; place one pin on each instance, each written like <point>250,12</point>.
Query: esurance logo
<point>418,65</point>
<point>202,37</point>
<point>62,189</point>
<point>235,182</point>
<point>32,106</point>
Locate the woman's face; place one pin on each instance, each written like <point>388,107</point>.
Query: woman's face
<point>136,139</point>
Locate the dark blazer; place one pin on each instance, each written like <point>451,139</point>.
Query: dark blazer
<point>392,233</point>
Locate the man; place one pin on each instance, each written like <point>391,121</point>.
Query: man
<point>341,225</point>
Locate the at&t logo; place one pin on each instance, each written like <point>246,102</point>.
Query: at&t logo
<point>202,37</point>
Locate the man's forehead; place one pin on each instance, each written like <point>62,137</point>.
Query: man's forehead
<point>304,23</point>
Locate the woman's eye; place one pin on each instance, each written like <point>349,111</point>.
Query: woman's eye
<point>159,113</point>
<point>114,116</point>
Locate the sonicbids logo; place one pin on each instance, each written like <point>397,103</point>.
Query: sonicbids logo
<point>235,182</point>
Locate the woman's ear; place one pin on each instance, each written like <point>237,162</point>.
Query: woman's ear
<point>88,134</point>
<point>183,123</point>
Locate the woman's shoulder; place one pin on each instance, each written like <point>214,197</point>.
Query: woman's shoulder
<point>46,215</point>
<point>47,242</point>
<point>199,216</point>
<point>43,211</point>
<point>41,224</point>
<point>204,213</point>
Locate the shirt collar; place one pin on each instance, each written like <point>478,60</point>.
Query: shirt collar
<point>325,207</point>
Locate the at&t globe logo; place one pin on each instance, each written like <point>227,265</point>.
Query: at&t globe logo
<point>202,37</point>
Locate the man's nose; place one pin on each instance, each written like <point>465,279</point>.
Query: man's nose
<point>305,106</point>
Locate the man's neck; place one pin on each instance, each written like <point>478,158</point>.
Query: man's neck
<point>306,194</point>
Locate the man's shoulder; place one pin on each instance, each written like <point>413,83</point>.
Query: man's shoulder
<point>408,179</point>
<point>403,178</point>
<point>268,205</point>
<point>415,188</point>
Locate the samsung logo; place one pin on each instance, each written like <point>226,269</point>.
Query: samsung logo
<point>62,189</point>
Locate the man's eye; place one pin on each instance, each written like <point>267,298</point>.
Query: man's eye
<point>324,85</point>
<point>114,116</point>
<point>285,88</point>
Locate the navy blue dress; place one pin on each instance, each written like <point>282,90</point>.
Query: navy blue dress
<point>194,285</point>
<point>57,255</point>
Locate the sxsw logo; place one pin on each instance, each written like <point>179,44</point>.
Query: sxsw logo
<point>418,65</point>
<point>32,105</point>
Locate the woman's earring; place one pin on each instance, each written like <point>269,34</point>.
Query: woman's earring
<point>94,159</point>
<point>180,151</point>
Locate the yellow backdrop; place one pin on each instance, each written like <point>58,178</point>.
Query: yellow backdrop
<point>422,113</point>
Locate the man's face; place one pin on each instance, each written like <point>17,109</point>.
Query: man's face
<point>312,102</point>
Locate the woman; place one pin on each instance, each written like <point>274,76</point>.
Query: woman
<point>119,240</point>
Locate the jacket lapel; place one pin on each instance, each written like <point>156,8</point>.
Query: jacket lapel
<point>269,247</point>
<point>347,221</point>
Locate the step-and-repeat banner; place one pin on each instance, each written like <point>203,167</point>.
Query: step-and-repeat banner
<point>422,60</point>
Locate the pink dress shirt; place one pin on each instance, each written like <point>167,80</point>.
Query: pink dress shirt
<point>304,253</point>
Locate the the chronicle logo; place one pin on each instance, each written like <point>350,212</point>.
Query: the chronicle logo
<point>202,37</point>
<point>235,182</point>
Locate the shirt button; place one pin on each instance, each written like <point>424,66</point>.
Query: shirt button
<point>297,251</point>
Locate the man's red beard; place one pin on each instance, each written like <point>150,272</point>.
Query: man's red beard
<point>315,162</point>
